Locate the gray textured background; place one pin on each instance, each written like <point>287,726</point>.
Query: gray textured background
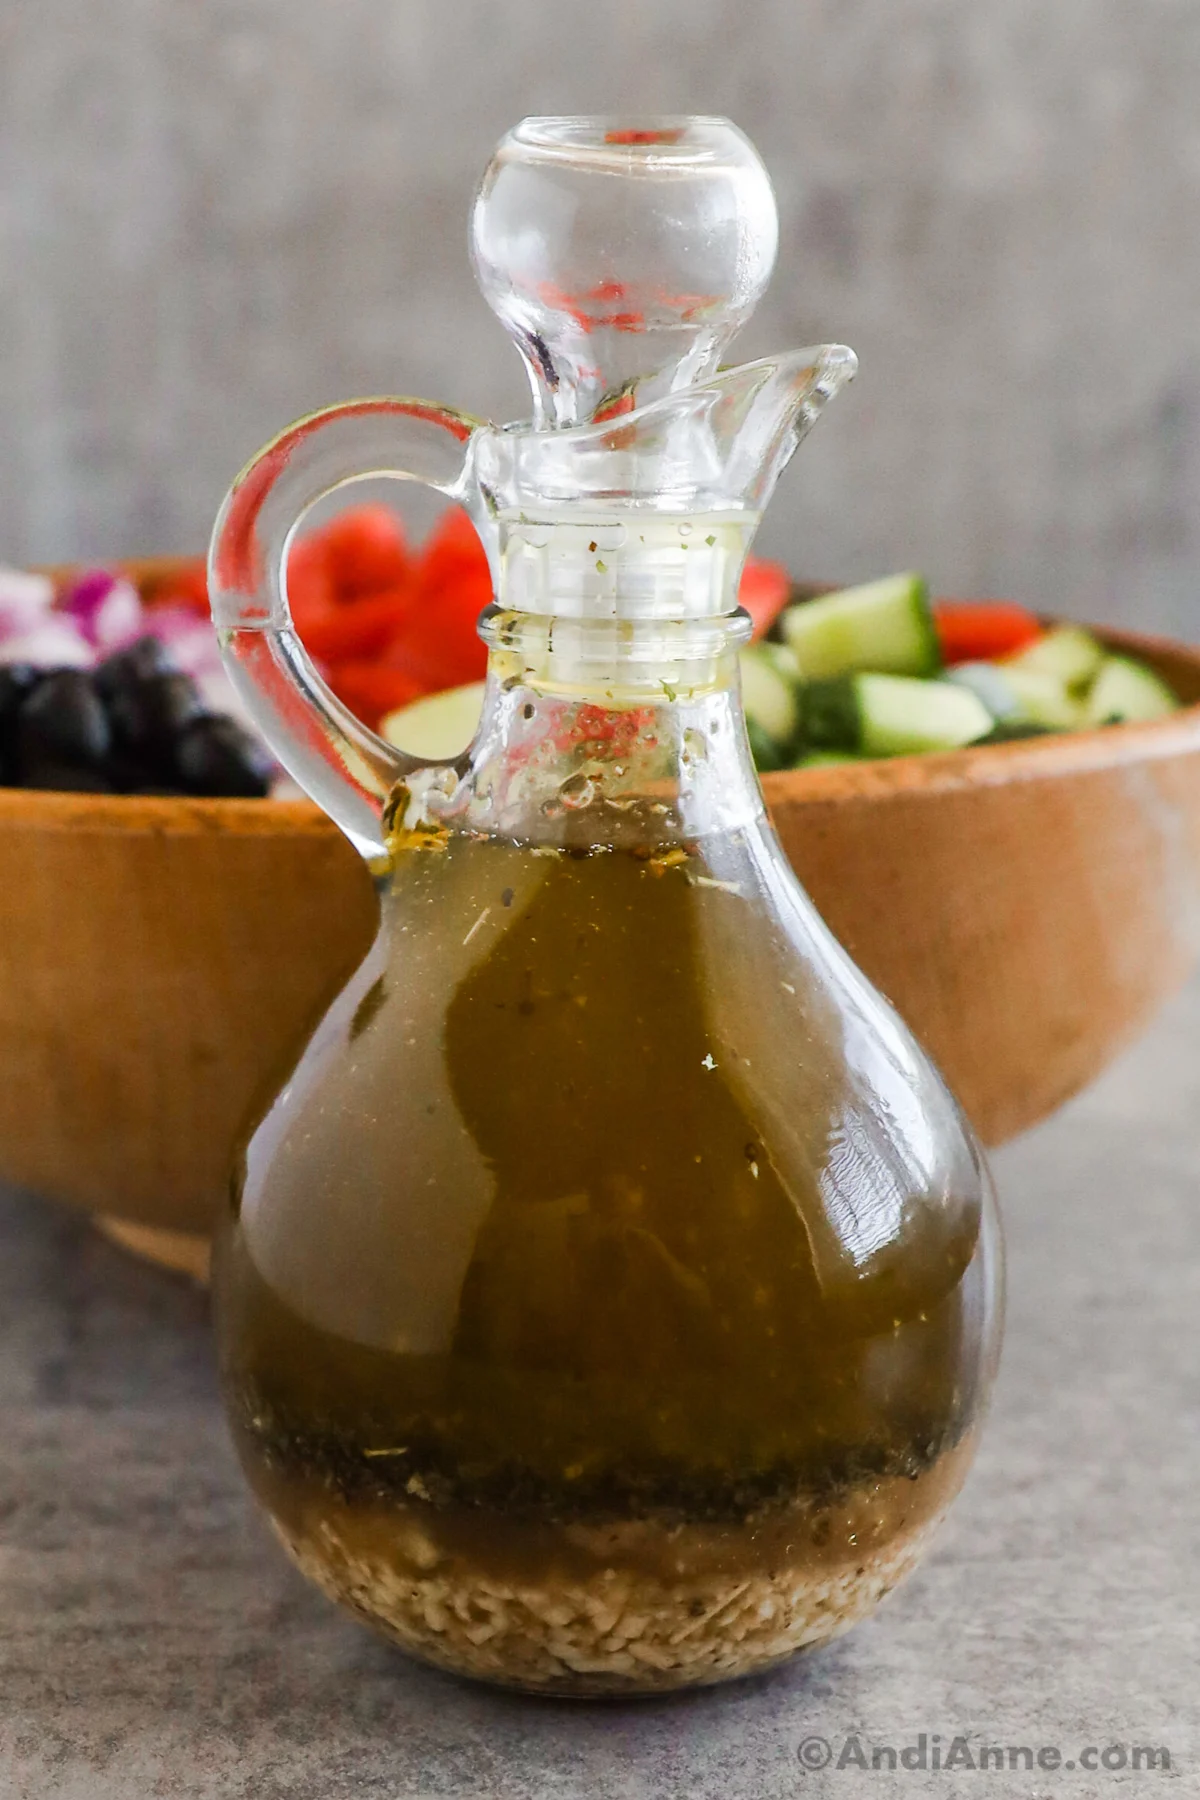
<point>215,214</point>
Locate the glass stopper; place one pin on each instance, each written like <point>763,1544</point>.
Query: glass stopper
<point>621,255</point>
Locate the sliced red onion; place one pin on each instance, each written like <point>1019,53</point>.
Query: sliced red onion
<point>119,619</point>
<point>86,593</point>
<point>106,608</point>
<point>25,600</point>
<point>22,585</point>
<point>53,643</point>
<point>191,640</point>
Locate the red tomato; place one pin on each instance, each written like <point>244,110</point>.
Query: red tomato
<point>764,592</point>
<point>310,580</point>
<point>370,689</point>
<point>366,550</point>
<point>356,628</point>
<point>977,630</point>
<point>440,645</point>
<point>453,554</point>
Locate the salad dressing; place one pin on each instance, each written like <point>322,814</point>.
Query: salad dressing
<point>632,1342</point>
<point>609,1297</point>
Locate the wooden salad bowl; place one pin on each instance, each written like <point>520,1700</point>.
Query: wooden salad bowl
<point>1026,906</point>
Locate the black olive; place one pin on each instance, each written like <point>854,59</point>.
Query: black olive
<point>127,668</point>
<point>16,681</point>
<point>149,716</point>
<point>215,757</point>
<point>65,777</point>
<point>61,729</point>
<point>128,774</point>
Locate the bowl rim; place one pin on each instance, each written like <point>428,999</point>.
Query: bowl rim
<point>867,783</point>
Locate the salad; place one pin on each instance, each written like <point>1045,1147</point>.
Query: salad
<point>102,693</point>
<point>107,689</point>
<point>878,671</point>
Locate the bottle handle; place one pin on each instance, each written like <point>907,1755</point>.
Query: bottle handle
<point>347,768</point>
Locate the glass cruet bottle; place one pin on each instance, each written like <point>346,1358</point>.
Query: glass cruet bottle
<point>609,1297</point>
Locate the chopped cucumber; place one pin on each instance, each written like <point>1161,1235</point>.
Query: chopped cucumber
<point>765,753</point>
<point>1068,653</point>
<point>770,700</point>
<point>990,684</point>
<point>1041,698</point>
<point>780,658</point>
<point>438,727</point>
<point>1126,692</point>
<point>885,627</point>
<point>1015,695</point>
<point>1008,731</point>
<point>893,715</point>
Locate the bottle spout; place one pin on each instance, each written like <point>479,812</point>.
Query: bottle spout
<point>763,410</point>
<point>717,447</point>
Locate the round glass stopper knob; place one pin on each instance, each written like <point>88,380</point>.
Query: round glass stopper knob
<point>622,256</point>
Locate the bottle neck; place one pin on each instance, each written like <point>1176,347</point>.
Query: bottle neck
<point>612,714</point>
<point>604,735</point>
<point>626,565</point>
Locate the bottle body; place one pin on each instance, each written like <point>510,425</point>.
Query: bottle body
<point>610,1297</point>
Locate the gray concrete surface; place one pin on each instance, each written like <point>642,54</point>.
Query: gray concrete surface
<point>215,216</point>
<point>153,1641</point>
